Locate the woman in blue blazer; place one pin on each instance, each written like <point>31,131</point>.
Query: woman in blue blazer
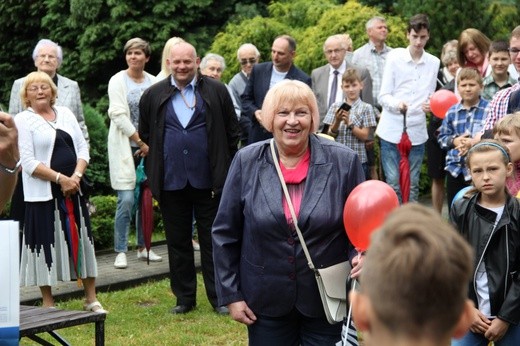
<point>261,271</point>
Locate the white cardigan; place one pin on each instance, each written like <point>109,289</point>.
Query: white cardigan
<point>36,139</point>
<point>120,159</point>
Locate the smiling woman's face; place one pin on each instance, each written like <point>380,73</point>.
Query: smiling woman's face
<point>292,125</point>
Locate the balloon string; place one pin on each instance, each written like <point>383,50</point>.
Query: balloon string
<point>353,287</point>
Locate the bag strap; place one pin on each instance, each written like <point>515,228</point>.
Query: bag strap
<point>291,208</point>
<point>58,134</point>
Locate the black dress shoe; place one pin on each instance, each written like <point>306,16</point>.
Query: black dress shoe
<point>182,309</point>
<point>221,310</point>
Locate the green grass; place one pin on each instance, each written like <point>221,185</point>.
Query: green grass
<point>141,316</point>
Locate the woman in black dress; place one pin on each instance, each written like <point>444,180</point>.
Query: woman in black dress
<point>57,241</point>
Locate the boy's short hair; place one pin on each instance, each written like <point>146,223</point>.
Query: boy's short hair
<point>416,273</point>
<point>498,46</point>
<point>350,76</point>
<point>469,73</point>
<point>418,22</point>
<point>508,125</point>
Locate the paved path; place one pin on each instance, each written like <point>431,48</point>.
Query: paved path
<point>110,278</point>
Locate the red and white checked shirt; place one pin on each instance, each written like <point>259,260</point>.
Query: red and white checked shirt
<point>497,108</point>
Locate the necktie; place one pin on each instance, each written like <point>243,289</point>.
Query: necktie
<point>333,88</point>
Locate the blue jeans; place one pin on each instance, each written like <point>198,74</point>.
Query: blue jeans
<point>512,338</point>
<point>125,203</point>
<point>390,158</point>
<point>293,329</point>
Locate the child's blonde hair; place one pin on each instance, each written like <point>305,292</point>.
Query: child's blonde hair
<point>350,76</point>
<point>507,125</point>
<point>487,145</point>
<point>469,73</point>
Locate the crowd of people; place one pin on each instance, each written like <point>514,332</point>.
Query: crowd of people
<point>187,127</point>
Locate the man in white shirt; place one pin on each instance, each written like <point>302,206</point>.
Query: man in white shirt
<point>409,79</point>
<point>326,80</point>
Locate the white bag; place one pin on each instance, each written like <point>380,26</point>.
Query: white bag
<point>332,283</point>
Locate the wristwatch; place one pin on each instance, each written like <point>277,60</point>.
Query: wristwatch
<point>9,170</point>
<point>350,127</point>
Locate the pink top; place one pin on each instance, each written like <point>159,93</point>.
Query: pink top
<point>482,68</point>
<point>295,178</point>
<point>513,183</point>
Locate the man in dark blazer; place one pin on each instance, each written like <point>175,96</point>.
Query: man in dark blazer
<point>266,75</point>
<point>190,125</point>
<point>335,50</point>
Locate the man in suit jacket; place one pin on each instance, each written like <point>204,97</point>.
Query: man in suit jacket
<point>248,56</point>
<point>47,56</point>
<point>335,50</point>
<point>266,75</point>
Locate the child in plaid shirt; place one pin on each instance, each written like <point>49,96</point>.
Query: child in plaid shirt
<point>462,122</point>
<point>350,121</point>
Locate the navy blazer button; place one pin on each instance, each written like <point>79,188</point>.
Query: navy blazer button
<point>290,240</point>
<point>291,259</point>
<point>292,276</point>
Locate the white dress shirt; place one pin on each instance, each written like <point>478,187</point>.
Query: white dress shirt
<point>339,91</point>
<point>412,83</point>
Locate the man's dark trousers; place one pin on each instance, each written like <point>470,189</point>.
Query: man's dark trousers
<point>178,208</point>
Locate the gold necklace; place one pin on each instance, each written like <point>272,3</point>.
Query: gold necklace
<point>186,102</point>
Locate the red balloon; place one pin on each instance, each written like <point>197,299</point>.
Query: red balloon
<point>441,101</point>
<point>365,210</point>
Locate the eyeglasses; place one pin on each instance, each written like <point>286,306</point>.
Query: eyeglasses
<point>335,51</point>
<point>48,56</point>
<point>247,61</point>
<point>514,51</point>
<point>35,88</point>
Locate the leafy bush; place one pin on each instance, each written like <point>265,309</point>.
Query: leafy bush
<point>102,221</point>
<point>310,23</point>
<point>98,168</point>
<point>349,18</point>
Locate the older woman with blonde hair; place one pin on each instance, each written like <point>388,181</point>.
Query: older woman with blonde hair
<point>57,239</point>
<point>261,272</point>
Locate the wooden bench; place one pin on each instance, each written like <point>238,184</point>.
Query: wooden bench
<point>34,320</point>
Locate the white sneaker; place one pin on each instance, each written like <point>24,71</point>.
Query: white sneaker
<point>196,245</point>
<point>120,262</point>
<point>141,255</point>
